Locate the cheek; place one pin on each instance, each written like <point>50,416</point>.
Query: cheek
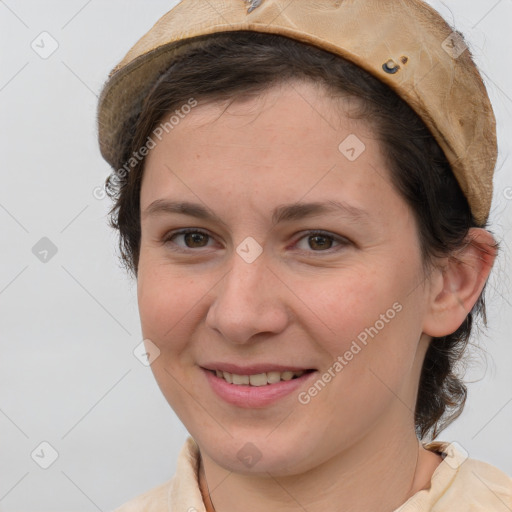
<point>373,323</point>
<point>169,302</point>
<point>371,345</point>
<point>352,302</point>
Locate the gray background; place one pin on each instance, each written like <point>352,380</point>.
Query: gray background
<point>68,326</point>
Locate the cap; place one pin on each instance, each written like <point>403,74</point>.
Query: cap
<point>404,43</point>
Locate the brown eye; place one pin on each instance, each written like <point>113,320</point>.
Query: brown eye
<point>321,242</point>
<point>196,239</point>
<point>189,239</point>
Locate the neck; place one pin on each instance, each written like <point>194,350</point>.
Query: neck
<point>363,480</point>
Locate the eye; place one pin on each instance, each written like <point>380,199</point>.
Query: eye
<point>320,241</point>
<point>313,241</point>
<point>189,238</point>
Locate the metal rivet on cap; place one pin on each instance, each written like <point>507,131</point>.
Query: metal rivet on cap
<point>390,67</point>
<point>253,4</point>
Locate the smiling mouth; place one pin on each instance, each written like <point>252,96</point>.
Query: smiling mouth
<point>259,379</point>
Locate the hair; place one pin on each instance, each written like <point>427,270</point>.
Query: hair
<point>231,65</point>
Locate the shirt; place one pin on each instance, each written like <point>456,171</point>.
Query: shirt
<point>459,484</point>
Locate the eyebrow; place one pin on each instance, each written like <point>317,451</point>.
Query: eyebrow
<point>283,213</point>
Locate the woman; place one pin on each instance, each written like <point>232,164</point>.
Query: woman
<point>302,192</point>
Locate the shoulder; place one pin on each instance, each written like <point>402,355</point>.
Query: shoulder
<point>180,493</point>
<point>155,500</point>
<point>462,484</point>
<point>486,486</point>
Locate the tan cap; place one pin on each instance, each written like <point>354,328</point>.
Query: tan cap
<point>404,43</point>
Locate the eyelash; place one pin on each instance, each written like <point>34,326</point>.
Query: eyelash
<point>340,240</point>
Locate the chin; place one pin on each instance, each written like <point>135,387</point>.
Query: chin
<point>253,453</point>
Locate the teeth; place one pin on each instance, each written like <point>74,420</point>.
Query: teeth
<point>273,377</point>
<point>240,379</point>
<point>260,379</point>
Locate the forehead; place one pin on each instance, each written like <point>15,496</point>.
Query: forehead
<point>291,141</point>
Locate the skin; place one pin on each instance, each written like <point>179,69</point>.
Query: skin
<point>300,303</point>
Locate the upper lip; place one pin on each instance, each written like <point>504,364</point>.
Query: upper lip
<point>252,369</point>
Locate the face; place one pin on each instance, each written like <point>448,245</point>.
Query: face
<point>280,277</point>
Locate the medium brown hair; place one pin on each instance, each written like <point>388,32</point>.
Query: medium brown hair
<point>231,65</point>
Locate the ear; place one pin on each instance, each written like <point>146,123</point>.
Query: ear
<point>457,284</point>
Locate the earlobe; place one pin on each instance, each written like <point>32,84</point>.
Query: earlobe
<point>459,283</point>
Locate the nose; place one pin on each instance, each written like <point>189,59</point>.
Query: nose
<point>248,302</point>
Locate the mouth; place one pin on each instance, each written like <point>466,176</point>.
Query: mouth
<point>259,379</point>
<point>255,386</point>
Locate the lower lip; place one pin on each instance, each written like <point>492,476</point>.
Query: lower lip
<point>251,397</point>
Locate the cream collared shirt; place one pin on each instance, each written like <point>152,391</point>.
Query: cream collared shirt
<point>459,484</point>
